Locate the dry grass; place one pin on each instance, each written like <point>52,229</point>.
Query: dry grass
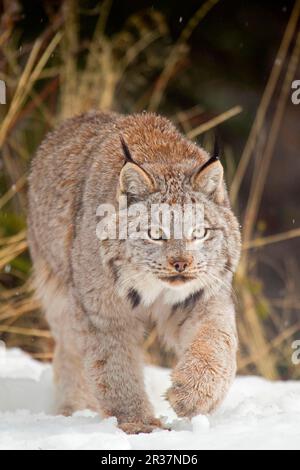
<point>100,73</point>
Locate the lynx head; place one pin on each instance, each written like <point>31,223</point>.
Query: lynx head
<point>162,170</point>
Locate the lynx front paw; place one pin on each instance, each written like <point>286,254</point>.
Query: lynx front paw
<point>197,389</point>
<point>145,426</point>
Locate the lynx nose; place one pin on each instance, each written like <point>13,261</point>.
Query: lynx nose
<point>179,265</point>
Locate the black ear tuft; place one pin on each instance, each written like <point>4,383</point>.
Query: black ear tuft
<point>216,150</point>
<point>215,155</point>
<point>211,160</point>
<point>127,154</point>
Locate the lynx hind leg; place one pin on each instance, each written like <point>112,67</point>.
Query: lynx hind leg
<point>71,389</point>
<point>53,295</point>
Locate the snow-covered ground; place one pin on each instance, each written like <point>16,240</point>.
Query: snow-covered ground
<point>256,415</point>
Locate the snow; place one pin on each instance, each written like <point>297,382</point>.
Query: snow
<point>257,414</point>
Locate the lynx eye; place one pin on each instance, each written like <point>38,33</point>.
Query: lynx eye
<point>199,233</point>
<point>156,234</point>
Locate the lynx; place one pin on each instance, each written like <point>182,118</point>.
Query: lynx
<point>99,294</point>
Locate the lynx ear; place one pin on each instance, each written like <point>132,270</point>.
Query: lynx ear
<point>135,182</point>
<point>209,179</point>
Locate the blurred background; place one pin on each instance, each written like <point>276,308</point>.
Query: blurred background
<point>217,68</point>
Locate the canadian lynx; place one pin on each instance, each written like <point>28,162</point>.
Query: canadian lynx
<point>98,294</point>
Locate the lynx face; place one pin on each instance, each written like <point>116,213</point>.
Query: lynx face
<point>162,261</point>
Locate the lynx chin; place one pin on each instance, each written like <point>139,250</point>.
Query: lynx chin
<point>100,294</point>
